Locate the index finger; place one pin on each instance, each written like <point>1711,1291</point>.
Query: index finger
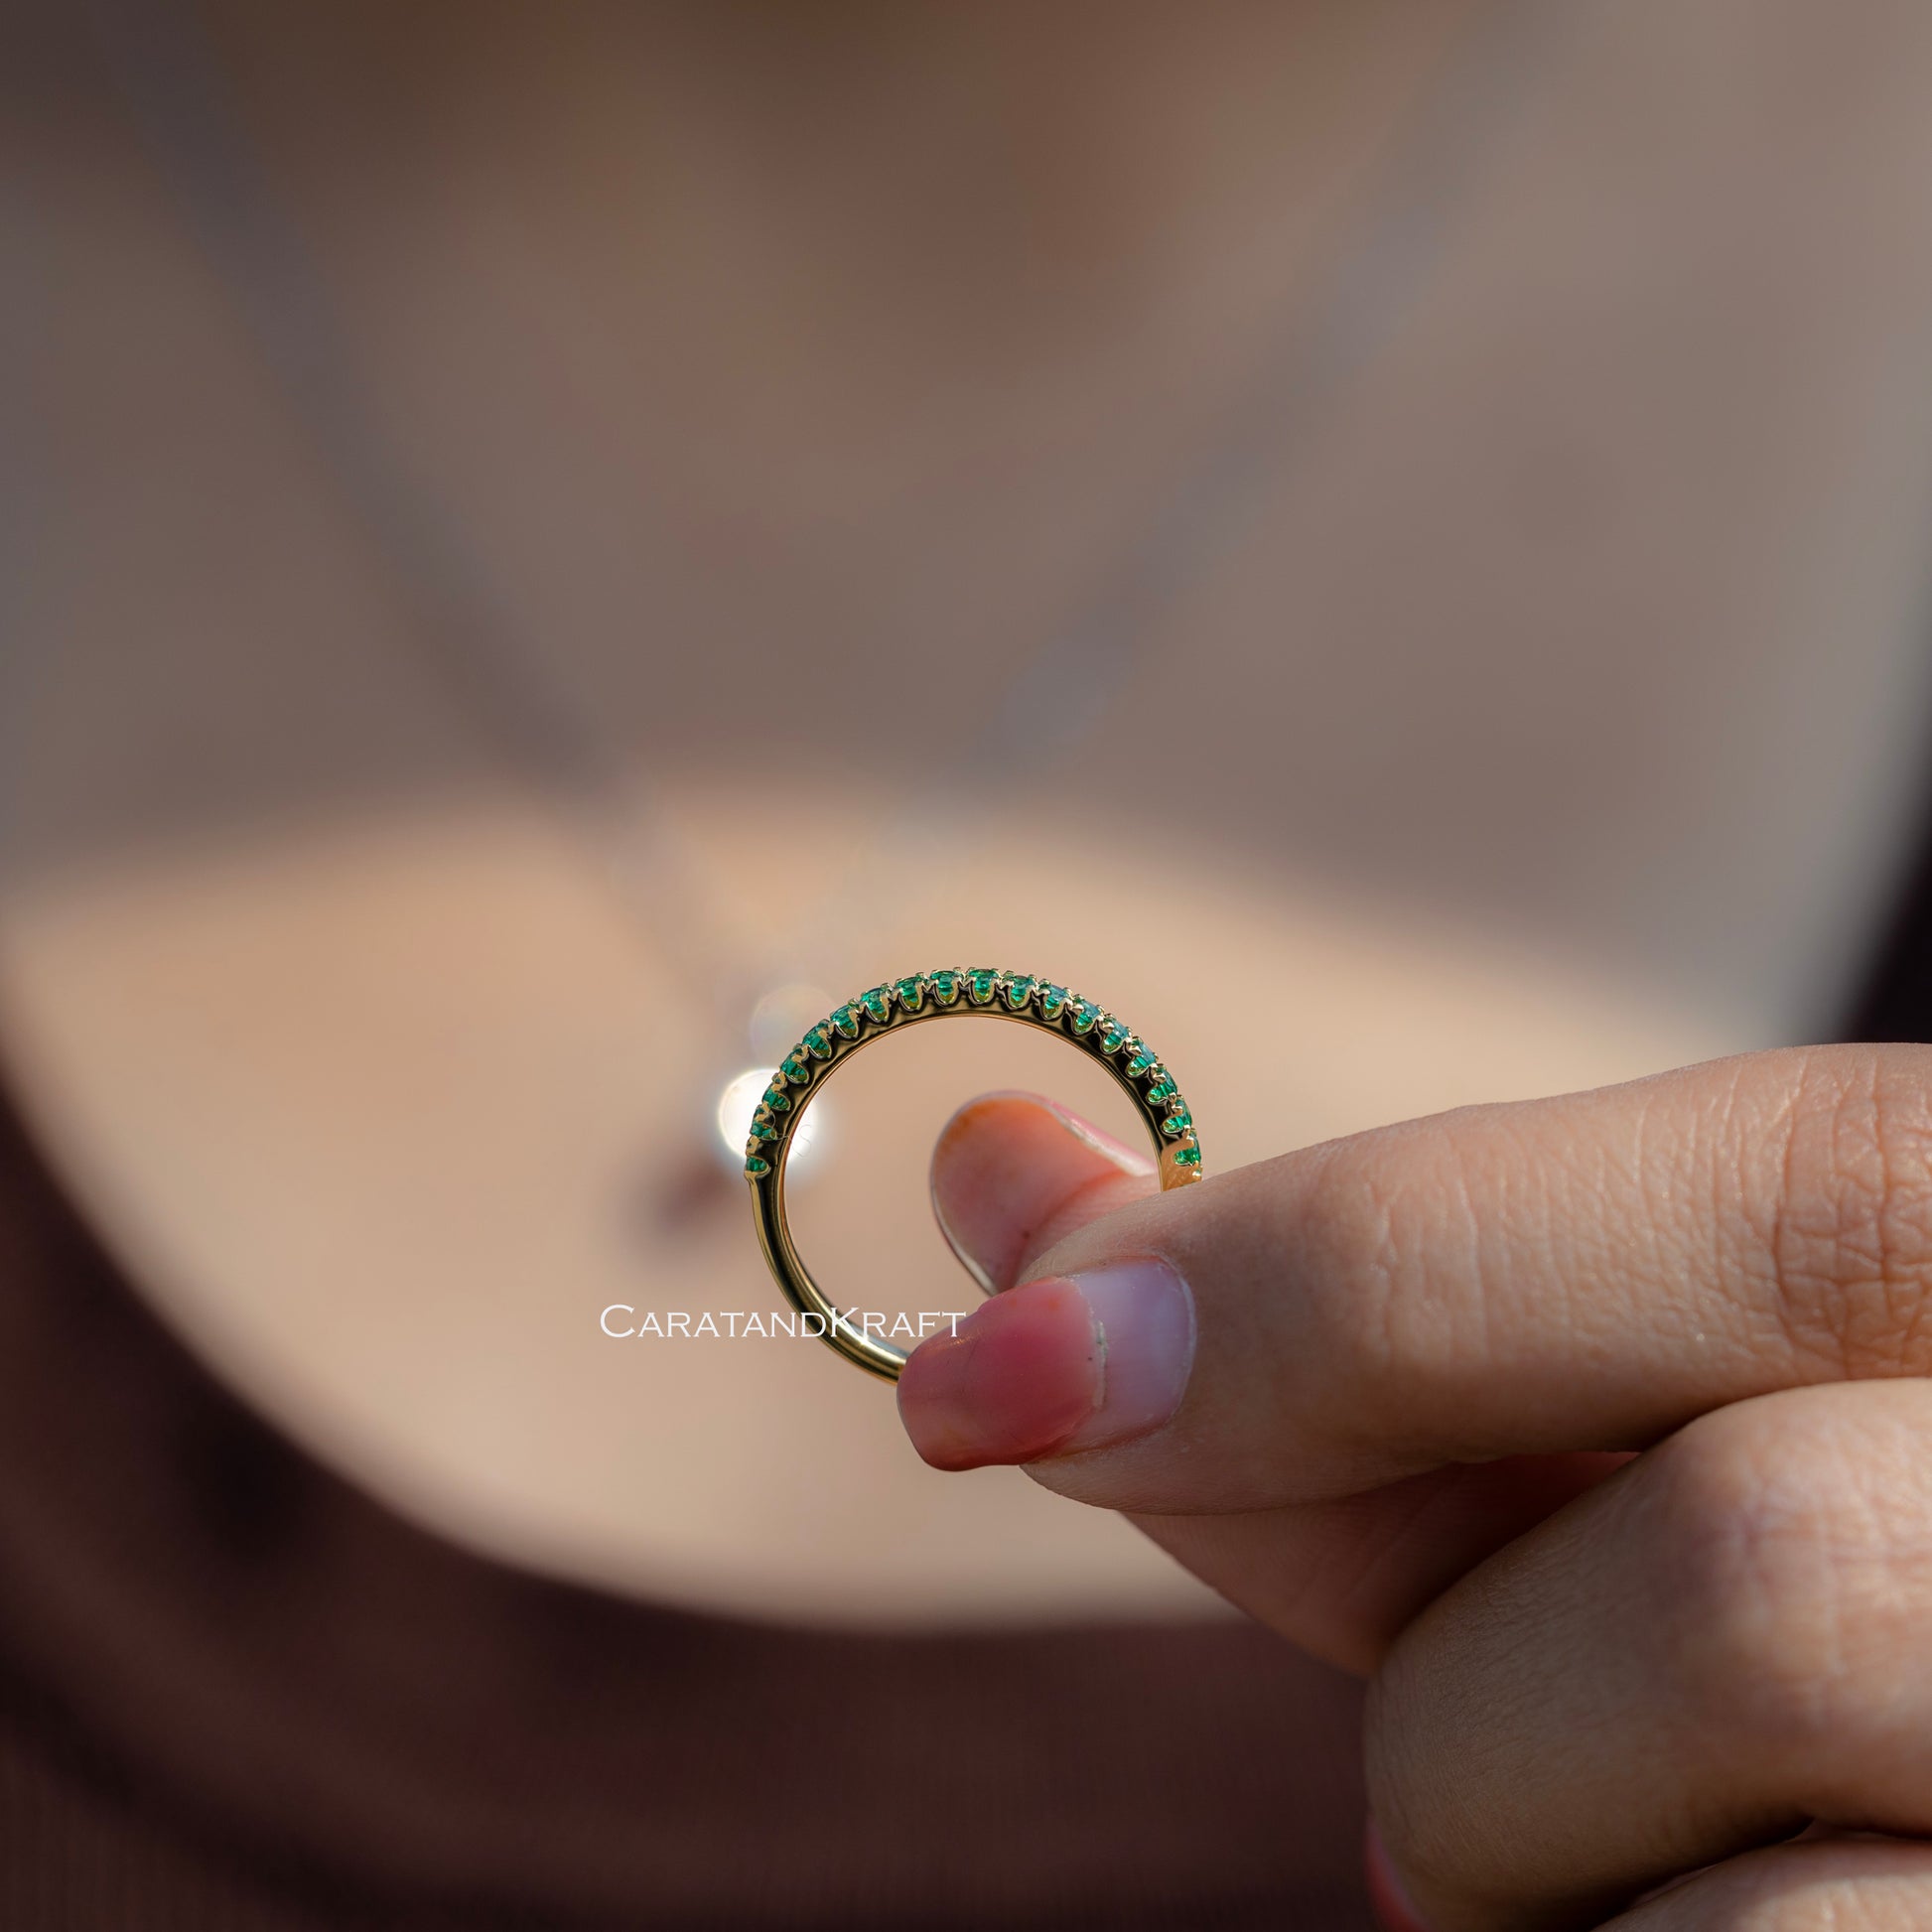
<point>1581,1273</point>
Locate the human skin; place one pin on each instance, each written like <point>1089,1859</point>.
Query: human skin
<point>1593,1430</point>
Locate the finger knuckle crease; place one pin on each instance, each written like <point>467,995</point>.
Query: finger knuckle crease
<point>1850,1242</point>
<point>1778,1583</point>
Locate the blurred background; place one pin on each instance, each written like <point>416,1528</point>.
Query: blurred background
<point>1383,539</point>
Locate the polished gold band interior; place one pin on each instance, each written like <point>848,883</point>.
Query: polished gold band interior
<point>948,994</point>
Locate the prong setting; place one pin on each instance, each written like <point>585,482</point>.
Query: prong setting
<point>919,997</point>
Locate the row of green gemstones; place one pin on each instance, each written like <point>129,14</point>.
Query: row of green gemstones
<point>983,986</point>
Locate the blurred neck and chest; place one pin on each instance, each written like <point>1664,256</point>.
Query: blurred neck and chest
<point>1547,707</point>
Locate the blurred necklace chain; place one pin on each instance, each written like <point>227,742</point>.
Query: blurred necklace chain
<point>463,619</point>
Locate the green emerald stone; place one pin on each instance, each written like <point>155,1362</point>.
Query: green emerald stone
<point>1186,1156</point>
<point>1112,1037</point>
<point>818,1043</point>
<point>762,1130</point>
<point>1053,1001</point>
<point>755,1164</point>
<point>982,983</point>
<point>796,1069</point>
<point>1144,1060</point>
<point>845,1019</point>
<point>1176,1123</point>
<point>1086,1015</point>
<point>946,985</point>
<point>1020,989</point>
<point>1164,1089</point>
<point>910,993</point>
<point>878,1003</point>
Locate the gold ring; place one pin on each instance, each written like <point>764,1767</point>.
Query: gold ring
<point>945,995</point>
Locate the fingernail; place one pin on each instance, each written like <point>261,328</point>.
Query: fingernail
<point>1385,1890</point>
<point>1128,1159</point>
<point>1070,1363</point>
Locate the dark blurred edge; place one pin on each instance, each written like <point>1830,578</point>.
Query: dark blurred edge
<point>1895,999</point>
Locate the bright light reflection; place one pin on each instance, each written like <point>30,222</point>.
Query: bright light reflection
<point>740,1101</point>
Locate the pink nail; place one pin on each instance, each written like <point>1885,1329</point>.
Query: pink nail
<point>1069,1363</point>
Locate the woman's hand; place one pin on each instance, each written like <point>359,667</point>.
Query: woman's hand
<point>1383,1393</point>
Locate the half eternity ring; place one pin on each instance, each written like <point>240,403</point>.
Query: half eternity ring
<point>948,994</point>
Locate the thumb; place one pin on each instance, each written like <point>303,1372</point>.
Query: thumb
<point>1015,1173</point>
